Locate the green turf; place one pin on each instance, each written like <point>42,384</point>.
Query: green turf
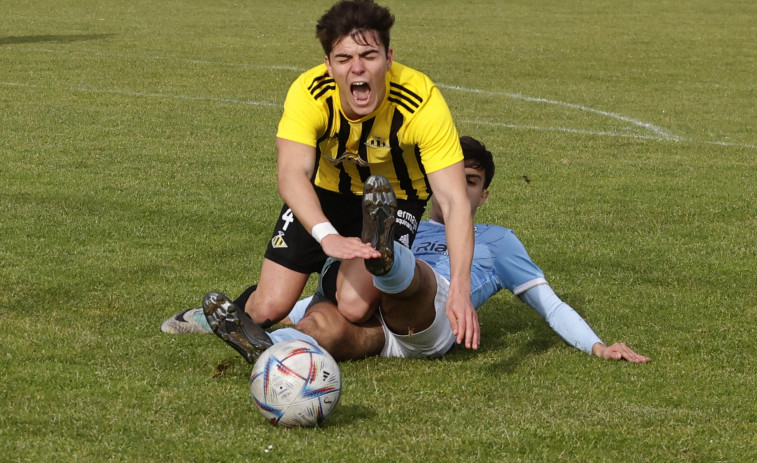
<point>138,172</point>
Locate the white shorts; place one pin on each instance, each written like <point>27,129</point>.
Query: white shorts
<point>432,342</point>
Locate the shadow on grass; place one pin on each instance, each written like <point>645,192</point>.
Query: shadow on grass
<point>345,415</point>
<point>500,320</point>
<point>542,342</point>
<point>52,38</point>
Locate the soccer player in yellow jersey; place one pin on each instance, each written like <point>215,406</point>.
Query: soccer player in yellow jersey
<point>360,113</point>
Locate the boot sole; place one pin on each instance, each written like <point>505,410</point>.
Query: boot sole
<point>379,218</point>
<point>227,323</point>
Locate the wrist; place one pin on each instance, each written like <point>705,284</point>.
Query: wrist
<point>459,284</point>
<point>598,349</point>
<point>322,230</point>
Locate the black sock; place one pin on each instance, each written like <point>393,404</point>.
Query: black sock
<point>241,301</point>
<point>328,280</point>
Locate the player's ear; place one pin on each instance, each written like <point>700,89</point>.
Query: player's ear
<point>389,58</point>
<point>484,197</point>
<point>328,65</point>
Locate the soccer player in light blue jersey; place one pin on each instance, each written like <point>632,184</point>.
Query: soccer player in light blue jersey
<point>412,321</point>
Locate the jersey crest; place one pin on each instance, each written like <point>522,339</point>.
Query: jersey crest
<point>278,241</point>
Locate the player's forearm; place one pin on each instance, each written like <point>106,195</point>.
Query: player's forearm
<point>561,317</point>
<point>450,190</point>
<point>459,231</point>
<point>300,196</point>
<point>295,168</point>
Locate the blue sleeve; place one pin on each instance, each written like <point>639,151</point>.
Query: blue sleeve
<point>512,263</point>
<point>561,317</point>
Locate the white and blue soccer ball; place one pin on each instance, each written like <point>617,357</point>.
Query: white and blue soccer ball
<point>295,383</point>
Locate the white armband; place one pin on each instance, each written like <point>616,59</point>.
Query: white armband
<point>322,230</point>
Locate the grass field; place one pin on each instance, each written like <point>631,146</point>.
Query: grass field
<point>137,172</point>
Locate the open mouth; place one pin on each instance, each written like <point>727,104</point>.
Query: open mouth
<point>361,91</point>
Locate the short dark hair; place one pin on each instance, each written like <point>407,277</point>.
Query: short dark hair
<point>354,18</point>
<point>478,157</point>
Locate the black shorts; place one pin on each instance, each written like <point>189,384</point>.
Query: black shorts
<point>294,248</point>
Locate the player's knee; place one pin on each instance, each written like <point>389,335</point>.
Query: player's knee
<point>314,321</point>
<point>324,326</point>
<point>355,307</point>
<point>267,310</point>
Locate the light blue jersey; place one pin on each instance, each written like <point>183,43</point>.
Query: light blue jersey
<point>499,260</point>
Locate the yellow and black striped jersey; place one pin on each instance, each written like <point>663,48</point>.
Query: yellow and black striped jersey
<point>409,135</point>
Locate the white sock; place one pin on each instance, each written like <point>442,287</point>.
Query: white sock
<point>401,274</point>
<point>298,311</point>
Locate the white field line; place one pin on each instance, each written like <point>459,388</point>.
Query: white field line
<point>152,95</point>
<point>243,65</point>
<point>570,130</point>
<point>660,133</point>
<point>604,134</point>
<point>726,143</point>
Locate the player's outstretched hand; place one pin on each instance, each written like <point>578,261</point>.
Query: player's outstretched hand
<point>463,318</point>
<point>618,351</point>
<point>341,247</point>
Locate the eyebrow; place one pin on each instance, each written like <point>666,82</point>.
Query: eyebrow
<point>362,55</point>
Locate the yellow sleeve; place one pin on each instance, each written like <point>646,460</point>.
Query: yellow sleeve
<point>304,119</point>
<point>435,134</point>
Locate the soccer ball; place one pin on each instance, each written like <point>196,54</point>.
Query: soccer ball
<point>295,383</point>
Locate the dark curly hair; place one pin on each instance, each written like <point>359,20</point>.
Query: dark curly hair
<point>478,157</point>
<point>354,18</point>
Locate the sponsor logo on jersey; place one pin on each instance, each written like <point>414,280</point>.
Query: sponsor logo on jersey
<point>431,246</point>
<point>407,220</point>
<point>347,156</point>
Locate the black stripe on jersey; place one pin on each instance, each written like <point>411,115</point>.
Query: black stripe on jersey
<point>404,89</point>
<point>403,98</point>
<point>325,75</point>
<point>401,103</point>
<point>404,94</point>
<point>324,90</point>
<point>330,112</point>
<point>329,117</point>
<point>400,168</point>
<point>345,182</point>
<point>320,80</point>
<point>423,168</point>
<point>321,85</point>
<point>362,150</point>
